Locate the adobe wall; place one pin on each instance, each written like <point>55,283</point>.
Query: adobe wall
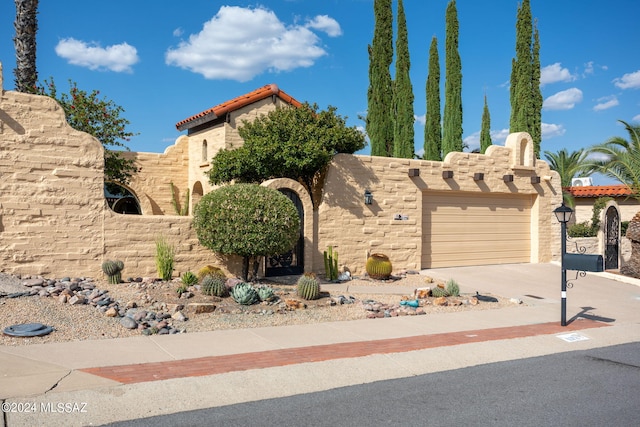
<point>355,229</point>
<point>54,219</point>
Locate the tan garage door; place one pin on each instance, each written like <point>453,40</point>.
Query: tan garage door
<point>461,229</point>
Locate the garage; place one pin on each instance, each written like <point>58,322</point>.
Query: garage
<point>463,229</point>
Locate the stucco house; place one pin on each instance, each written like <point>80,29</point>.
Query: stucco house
<point>470,209</point>
<point>585,196</point>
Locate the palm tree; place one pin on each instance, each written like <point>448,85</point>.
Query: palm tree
<point>26,26</point>
<point>568,165</point>
<point>622,158</point>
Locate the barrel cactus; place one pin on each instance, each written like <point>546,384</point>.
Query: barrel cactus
<point>245,294</point>
<point>379,267</point>
<point>209,270</point>
<point>113,270</point>
<point>308,287</point>
<point>438,292</point>
<point>265,293</point>
<point>214,285</point>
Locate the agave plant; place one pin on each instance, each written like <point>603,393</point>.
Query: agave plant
<point>245,294</point>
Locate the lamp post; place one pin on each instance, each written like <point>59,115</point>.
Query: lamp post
<point>563,215</point>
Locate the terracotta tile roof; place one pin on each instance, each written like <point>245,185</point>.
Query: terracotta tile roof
<point>241,101</point>
<point>600,191</point>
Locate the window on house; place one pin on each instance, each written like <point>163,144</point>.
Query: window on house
<point>205,156</point>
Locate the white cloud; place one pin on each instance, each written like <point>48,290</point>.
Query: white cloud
<point>555,73</point>
<point>327,24</point>
<point>472,141</point>
<point>421,120</point>
<point>606,102</point>
<point>563,100</point>
<point>628,81</point>
<point>118,57</point>
<point>178,32</point>
<point>549,130</point>
<point>499,136</point>
<point>636,118</point>
<point>241,43</point>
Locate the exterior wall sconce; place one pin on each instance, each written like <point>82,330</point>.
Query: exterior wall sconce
<point>507,178</point>
<point>414,172</point>
<point>368,197</point>
<point>478,176</point>
<point>535,180</point>
<point>447,174</point>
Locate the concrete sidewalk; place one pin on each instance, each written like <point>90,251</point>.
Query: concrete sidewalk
<point>109,380</point>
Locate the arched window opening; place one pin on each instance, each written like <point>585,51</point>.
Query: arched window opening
<point>121,200</point>
<point>205,155</point>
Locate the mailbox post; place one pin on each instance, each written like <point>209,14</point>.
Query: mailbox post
<point>579,262</point>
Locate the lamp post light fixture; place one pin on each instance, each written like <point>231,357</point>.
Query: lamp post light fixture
<point>368,197</point>
<point>563,215</point>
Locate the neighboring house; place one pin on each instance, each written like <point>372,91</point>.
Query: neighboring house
<point>585,196</point>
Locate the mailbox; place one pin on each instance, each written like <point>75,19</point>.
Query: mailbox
<point>582,262</point>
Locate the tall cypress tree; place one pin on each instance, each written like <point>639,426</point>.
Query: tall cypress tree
<point>452,128</point>
<point>432,126</point>
<point>485,129</point>
<point>526,98</point>
<point>536,130</point>
<point>403,136</point>
<point>379,122</point>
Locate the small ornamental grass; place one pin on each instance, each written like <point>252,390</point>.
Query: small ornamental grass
<point>165,258</point>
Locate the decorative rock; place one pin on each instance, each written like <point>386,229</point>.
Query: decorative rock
<point>516,301</point>
<point>203,307</point>
<point>63,298</point>
<point>33,282</point>
<point>131,304</point>
<point>128,322</point>
<point>473,301</point>
<point>442,301</point>
<point>179,316</point>
<point>172,308</point>
<point>77,300</point>
<point>112,312</point>
<point>139,315</point>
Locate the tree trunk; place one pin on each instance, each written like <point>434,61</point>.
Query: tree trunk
<point>26,26</point>
<point>245,268</point>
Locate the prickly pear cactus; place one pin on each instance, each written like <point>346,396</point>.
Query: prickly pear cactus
<point>379,267</point>
<point>214,285</point>
<point>308,287</point>
<point>245,294</point>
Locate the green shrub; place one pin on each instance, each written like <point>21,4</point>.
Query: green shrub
<point>623,228</point>
<point>246,220</point>
<point>452,288</point>
<point>165,254</point>
<point>581,229</point>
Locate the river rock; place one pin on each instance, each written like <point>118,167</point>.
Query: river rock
<point>128,322</point>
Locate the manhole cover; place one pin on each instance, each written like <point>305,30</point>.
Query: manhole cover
<point>28,330</point>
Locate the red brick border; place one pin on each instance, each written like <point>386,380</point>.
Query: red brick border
<point>211,365</point>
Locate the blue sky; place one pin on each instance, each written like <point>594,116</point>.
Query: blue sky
<point>166,61</point>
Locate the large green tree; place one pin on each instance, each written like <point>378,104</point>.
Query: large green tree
<point>452,123</point>
<point>100,117</point>
<point>622,158</point>
<point>288,142</point>
<point>485,128</point>
<point>379,121</point>
<point>433,125</point>
<point>26,26</point>
<point>246,220</point>
<point>403,136</point>
<point>526,98</point>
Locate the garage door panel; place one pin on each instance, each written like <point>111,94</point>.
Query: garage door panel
<point>461,229</point>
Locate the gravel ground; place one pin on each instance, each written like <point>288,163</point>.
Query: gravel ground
<point>84,322</point>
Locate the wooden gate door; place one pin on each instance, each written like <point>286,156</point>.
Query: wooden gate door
<point>612,238</point>
<point>292,262</point>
